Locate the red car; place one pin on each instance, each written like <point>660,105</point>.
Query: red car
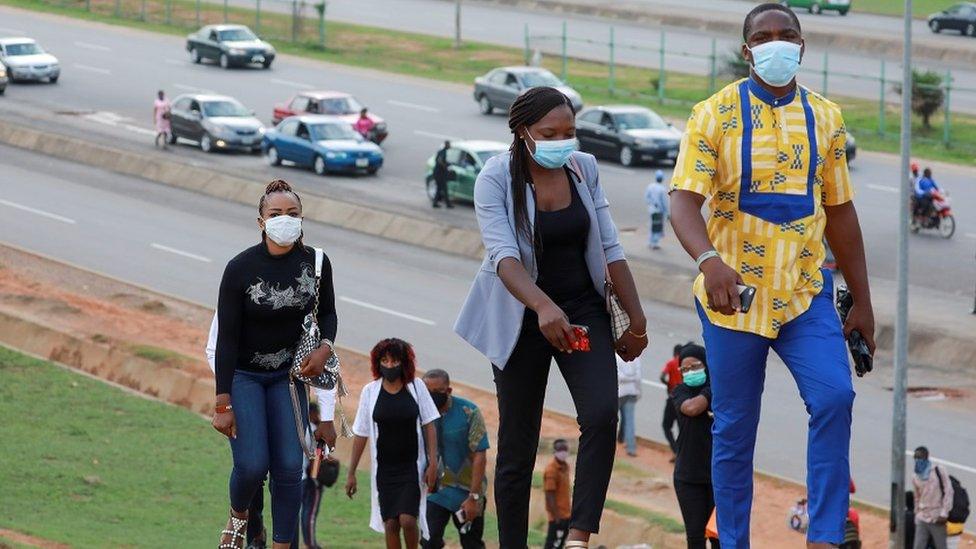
<point>332,103</point>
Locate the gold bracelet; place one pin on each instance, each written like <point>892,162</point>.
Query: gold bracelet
<point>638,336</point>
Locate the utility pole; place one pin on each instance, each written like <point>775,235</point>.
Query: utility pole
<point>457,24</point>
<point>898,442</point>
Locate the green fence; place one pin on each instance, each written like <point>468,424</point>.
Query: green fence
<point>721,66</point>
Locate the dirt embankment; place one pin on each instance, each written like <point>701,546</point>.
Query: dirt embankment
<point>171,334</point>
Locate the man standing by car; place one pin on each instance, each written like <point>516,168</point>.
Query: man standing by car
<point>441,175</point>
<point>771,156</point>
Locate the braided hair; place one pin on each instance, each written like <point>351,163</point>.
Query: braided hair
<point>279,186</point>
<point>528,109</point>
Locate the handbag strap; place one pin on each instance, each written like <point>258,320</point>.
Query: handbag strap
<point>319,255</point>
<point>299,424</point>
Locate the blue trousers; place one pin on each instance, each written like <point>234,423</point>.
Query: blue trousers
<point>628,426</point>
<point>813,348</point>
<point>267,441</point>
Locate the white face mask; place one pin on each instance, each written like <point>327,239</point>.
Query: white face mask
<point>283,230</point>
<point>561,455</point>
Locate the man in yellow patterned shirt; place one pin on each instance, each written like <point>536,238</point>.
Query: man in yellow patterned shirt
<point>770,157</point>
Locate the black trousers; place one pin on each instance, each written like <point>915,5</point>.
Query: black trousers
<point>556,536</point>
<point>670,418</point>
<point>442,195</point>
<point>696,502</point>
<point>437,519</point>
<point>521,390</point>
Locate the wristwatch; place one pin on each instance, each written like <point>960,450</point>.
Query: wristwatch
<point>475,496</point>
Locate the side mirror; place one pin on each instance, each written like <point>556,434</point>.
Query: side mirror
<point>195,115</point>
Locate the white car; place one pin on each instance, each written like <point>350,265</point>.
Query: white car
<point>26,60</point>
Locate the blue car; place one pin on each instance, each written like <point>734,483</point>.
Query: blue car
<point>323,143</point>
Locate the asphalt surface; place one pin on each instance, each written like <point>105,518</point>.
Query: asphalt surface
<point>110,75</point>
<point>178,242</point>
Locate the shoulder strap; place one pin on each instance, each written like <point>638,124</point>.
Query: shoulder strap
<point>318,262</point>
<point>576,169</point>
<point>938,475</point>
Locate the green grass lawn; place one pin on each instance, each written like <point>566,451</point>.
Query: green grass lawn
<point>920,8</point>
<point>436,58</point>
<point>91,465</point>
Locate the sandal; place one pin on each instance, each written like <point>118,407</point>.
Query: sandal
<point>576,544</point>
<point>237,529</point>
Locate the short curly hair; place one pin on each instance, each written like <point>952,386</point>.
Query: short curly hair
<point>396,349</point>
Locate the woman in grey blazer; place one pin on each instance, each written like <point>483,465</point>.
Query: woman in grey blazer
<point>549,238</point>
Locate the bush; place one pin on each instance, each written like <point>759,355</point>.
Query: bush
<point>928,94</point>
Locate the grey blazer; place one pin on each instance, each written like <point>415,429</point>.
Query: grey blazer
<point>491,317</point>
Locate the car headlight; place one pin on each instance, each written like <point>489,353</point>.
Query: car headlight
<point>643,143</point>
<point>215,128</point>
<point>381,127</point>
<point>261,130</point>
<point>336,155</point>
<point>3,72</point>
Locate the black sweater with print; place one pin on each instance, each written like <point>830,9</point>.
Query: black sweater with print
<point>262,302</point>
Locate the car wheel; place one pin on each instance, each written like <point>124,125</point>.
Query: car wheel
<point>485,105</point>
<point>172,138</point>
<point>934,25</point>
<point>319,165</point>
<point>266,64</point>
<point>815,8</point>
<point>372,171</point>
<point>224,61</point>
<point>431,189</point>
<point>206,144</point>
<point>970,30</point>
<point>272,157</point>
<point>195,56</point>
<point>54,79</point>
<point>843,12</point>
<point>626,156</point>
<point>2,90</point>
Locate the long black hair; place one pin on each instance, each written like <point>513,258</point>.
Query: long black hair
<point>528,109</point>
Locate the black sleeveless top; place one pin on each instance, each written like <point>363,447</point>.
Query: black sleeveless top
<point>561,250</point>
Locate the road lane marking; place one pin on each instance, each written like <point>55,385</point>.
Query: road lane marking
<point>194,89</point>
<point>433,135</point>
<point>970,235</point>
<point>42,213</point>
<point>387,311</point>
<point>180,252</point>
<point>424,108</point>
<point>90,46</point>
<point>90,68</point>
<point>292,83</point>
<point>884,188</point>
<point>947,463</point>
<point>650,383</point>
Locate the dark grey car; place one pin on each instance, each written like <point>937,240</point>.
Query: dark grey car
<point>216,122</point>
<point>630,134</point>
<point>961,17</point>
<point>499,88</point>
<point>229,45</point>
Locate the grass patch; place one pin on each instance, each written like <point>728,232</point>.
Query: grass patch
<point>627,469</point>
<point>159,355</point>
<point>435,58</point>
<point>665,522</point>
<point>920,8</point>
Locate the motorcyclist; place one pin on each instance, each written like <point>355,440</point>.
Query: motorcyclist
<point>925,187</point>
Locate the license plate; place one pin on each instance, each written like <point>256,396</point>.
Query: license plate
<point>672,154</point>
<point>257,59</point>
<point>248,140</point>
<point>362,162</point>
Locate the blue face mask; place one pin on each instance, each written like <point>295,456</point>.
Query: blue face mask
<point>921,465</point>
<point>776,62</point>
<point>552,154</point>
<point>694,378</point>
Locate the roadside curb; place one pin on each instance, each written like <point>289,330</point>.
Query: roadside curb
<point>863,43</point>
<point>665,283</point>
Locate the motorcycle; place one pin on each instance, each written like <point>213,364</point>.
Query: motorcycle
<point>939,215</point>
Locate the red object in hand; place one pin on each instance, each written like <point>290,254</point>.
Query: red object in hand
<point>582,334</point>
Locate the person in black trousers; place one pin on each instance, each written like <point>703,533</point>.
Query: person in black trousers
<point>441,175</point>
<point>692,469</point>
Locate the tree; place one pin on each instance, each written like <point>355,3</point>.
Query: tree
<point>928,95</point>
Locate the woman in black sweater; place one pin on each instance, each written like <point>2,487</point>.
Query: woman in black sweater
<point>265,294</point>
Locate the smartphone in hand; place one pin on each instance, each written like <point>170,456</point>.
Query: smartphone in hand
<point>746,295</point>
<point>582,334</point>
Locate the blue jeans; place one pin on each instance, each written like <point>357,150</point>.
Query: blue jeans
<point>267,442</point>
<point>656,232</point>
<point>813,348</point>
<point>627,427</point>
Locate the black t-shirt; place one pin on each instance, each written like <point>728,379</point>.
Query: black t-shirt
<point>561,250</point>
<point>396,419</point>
<point>694,462</point>
<point>262,303</point>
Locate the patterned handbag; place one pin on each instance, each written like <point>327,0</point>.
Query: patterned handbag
<point>619,319</point>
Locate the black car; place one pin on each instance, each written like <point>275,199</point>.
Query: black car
<point>630,134</point>
<point>961,17</point>
<point>229,46</point>
<point>216,122</point>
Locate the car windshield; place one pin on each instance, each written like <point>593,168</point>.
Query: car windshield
<point>639,120</point>
<point>224,108</point>
<point>541,78</point>
<point>340,105</point>
<point>26,48</point>
<point>236,35</point>
<point>485,155</point>
<point>328,132</point>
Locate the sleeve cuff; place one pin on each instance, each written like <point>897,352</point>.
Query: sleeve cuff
<point>497,256</point>
<point>615,253</point>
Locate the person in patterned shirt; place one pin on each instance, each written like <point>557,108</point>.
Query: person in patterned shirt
<point>769,155</point>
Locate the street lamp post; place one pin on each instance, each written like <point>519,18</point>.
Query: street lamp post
<point>457,24</point>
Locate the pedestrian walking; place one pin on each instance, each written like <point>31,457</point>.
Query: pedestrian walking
<point>629,378</point>
<point>555,482</point>
<point>161,119</point>
<point>933,501</point>
<point>692,469</point>
<point>656,197</point>
<point>442,173</point>
<point>265,294</point>
<point>395,416</point>
<point>550,246</point>
<point>770,156</point>
<point>462,445</point>
<point>671,376</point>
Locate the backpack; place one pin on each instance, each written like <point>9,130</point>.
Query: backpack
<point>960,499</point>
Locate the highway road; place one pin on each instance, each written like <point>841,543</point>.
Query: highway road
<point>110,76</point>
<point>178,242</point>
